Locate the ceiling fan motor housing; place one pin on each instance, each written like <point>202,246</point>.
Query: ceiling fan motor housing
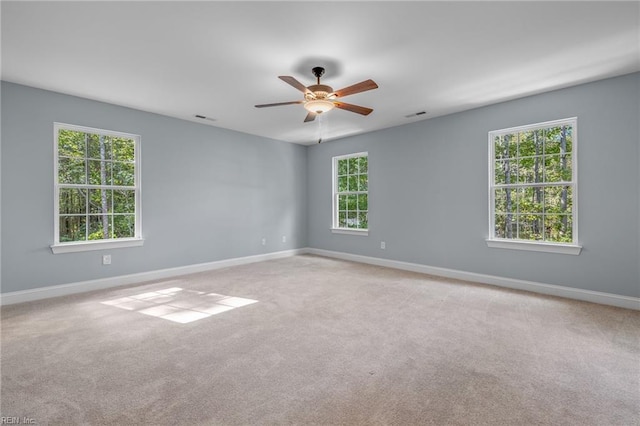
<point>319,91</point>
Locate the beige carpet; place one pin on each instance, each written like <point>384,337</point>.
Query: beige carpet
<point>327,342</point>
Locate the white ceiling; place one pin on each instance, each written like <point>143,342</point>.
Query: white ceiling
<point>219,59</point>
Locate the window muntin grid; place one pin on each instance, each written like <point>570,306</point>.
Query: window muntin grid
<point>96,185</point>
<point>532,183</point>
<point>351,191</point>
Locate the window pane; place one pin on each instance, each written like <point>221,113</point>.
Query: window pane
<point>510,146</point>
<point>123,149</point>
<point>99,147</point>
<point>353,183</point>
<point>506,146</point>
<point>352,219</point>
<point>343,167</point>
<point>70,143</point>
<point>558,228</point>
<point>499,200</point>
<point>530,199</point>
<point>124,226</point>
<point>353,165</point>
<point>530,170</point>
<point>363,183</point>
<point>123,174</point>
<point>526,144</point>
<point>363,220</point>
<point>525,170</point>
<point>71,170</point>
<point>506,172</point>
<point>558,140</point>
<point>499,172</point>
<point>363,202</point>
<point>505,200</point>
<point>100,201</point>
<point>343,184</point>
<point>363,164</point>
<point>505,226</point>
<point>499,147</point>
<point>499,228</point>
<point>124,201</point>
<point>352,202</point>
<point>342,202</point>
<point>99,172</point>
<point>566,168</point>
<point>552,141</point>
<point>72,201</point>
<point>100,226</point>
<point>530,227</point>
<point>569,140</point>
<point>558,168</point>
<point>558,199</point>
<point>72,228</point>
<point>342,219</point>
<point>551,166</point>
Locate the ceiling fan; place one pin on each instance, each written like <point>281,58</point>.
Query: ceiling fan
<point>320,98</point>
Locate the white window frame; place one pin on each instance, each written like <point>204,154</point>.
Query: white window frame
<point>541,246</point>
<point>335,228</point>
<point>79,246</point>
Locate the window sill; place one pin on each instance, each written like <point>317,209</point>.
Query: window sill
<point>361,232</point>
<point>535,246</point>
<point>95,245</point>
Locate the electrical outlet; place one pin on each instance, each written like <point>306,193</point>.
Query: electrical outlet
<point>264,241</point>
<point>284,238</point>
<point>383,245</point>
<point>106,259</point>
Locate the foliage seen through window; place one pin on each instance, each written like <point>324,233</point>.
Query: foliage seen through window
<point>532,186</point>
<point>96,185</point>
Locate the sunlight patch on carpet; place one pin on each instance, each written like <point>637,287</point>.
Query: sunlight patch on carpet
<point>179,305</point>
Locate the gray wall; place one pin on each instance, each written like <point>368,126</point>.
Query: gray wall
<point>207,194</point>
<point>210,194</point>
<point>429,197</point>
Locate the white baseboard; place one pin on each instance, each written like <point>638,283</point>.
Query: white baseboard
<point>549,289</point>
<point>103,283</point>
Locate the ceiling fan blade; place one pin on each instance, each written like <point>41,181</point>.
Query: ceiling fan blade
<point>363,86</point>
<point>295,83</point>
<point>310,117</point>
<point>353,108</point>
<point>278,104</point>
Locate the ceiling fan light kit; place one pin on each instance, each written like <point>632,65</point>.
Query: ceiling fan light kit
<point>318,105</point>
<point>320,98</point>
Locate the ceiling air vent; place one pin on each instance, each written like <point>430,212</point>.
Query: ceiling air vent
<point>202,117</point>
<point>415,114</point>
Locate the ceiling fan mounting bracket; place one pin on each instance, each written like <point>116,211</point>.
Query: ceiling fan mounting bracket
<point>318,72</point>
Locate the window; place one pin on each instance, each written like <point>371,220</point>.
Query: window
<point>532,187</point>
<point>97,189</point>
<point>350,193</point>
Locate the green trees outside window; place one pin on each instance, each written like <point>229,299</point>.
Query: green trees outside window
<point>532,188</point>
<point>96,184</point>
<point>351,196</point>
